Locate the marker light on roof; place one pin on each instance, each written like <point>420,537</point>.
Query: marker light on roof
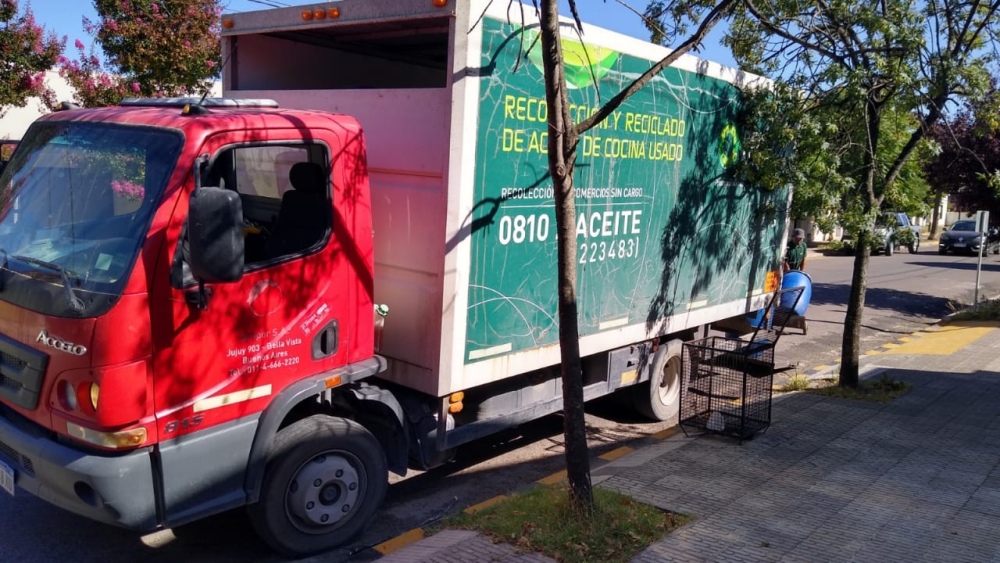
<point>334,13</point>
<point>307,15</point>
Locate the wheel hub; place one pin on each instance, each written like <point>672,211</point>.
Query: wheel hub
<point>669,380</point>
<point>325,491</point>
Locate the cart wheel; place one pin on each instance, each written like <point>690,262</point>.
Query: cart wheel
<point>324,481</point>
<point>659,398</point>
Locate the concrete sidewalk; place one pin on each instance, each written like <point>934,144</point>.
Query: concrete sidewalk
<point>831,479</point>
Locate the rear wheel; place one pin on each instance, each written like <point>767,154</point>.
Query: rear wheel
<point>325,479</point>
<point>659,398</point>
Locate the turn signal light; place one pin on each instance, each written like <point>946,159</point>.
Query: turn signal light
<point>111,440</point>
<point>87,397</point>
<point>772,281</point>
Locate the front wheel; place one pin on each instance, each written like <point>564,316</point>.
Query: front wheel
<point>914,247</point>
<point>659,398</point>
<point>889,248</point>
<point>942,250</point>
<point>325,479</point>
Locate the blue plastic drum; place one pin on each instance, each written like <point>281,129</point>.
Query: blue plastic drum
<point>795,278</point>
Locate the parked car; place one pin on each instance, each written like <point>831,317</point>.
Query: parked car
<point>963,237</point>
<point>887,236</point>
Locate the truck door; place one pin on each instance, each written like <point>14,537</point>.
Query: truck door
<point>282,321</point>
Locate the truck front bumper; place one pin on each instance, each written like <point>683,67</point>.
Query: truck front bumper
<point>115,489</point>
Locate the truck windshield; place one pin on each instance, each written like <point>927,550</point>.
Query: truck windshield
<point>75,203</point>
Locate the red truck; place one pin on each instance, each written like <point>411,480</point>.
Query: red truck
<point>192,290</point>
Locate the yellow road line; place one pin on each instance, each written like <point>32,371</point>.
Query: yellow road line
<point>485,504</point>
<point>616,453</point>
<point>554,478</point>
<point>400,541</point>
<point>664,434</point>
<point>946,340</point>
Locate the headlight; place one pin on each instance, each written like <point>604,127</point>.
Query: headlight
<point>943,238</point>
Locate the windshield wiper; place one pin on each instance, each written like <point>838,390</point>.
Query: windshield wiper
<point>75,302</point>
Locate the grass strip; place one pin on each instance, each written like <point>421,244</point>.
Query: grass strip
<point>543,521</point>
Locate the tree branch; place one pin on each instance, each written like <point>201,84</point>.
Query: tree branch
<point>713,17</point>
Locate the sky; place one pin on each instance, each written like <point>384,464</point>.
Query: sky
<point>65,17</point>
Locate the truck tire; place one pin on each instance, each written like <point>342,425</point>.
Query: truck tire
<point>889,248</point>
<point>914,246</point>
<point>659,398</point>
<point>325,479</point>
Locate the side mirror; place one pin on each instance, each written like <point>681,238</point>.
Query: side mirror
<point>215,235</point>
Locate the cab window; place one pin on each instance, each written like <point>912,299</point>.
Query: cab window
<point>285,192</point>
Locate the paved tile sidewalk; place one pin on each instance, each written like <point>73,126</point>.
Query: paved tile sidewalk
<point>831,479</point>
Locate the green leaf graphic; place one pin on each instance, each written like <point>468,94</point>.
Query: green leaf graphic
<point>585,64</point>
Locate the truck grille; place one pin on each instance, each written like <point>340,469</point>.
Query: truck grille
<point>12,361</point>
<point>22,370</point>
<point>22,462</point>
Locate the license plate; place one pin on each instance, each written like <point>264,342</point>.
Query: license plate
<point>7,479</point>
<point>959,245</point>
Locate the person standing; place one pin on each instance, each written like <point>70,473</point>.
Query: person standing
<point>795,255</point>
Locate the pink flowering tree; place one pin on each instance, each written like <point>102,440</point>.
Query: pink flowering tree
<point>151,48</point>
<point>26,51</point>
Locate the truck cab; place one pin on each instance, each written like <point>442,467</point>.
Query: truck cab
<point>132,392</point>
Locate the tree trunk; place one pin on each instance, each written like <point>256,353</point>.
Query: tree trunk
<point>850,352</point>
<point>935,215</point>
<point>562,155</point>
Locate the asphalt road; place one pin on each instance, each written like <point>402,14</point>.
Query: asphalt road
<point>906,293</point>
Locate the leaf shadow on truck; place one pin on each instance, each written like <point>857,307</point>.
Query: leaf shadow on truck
<point>709,222</point>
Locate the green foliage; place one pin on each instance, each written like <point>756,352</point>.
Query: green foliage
<point>152,48</point>
<point>985,311</point>
<point>543,520</point>
<point>905,237</point>
<point>880,75</point>
<point>798,382</point>
<point>787,142</point>
<point>27,51</point>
